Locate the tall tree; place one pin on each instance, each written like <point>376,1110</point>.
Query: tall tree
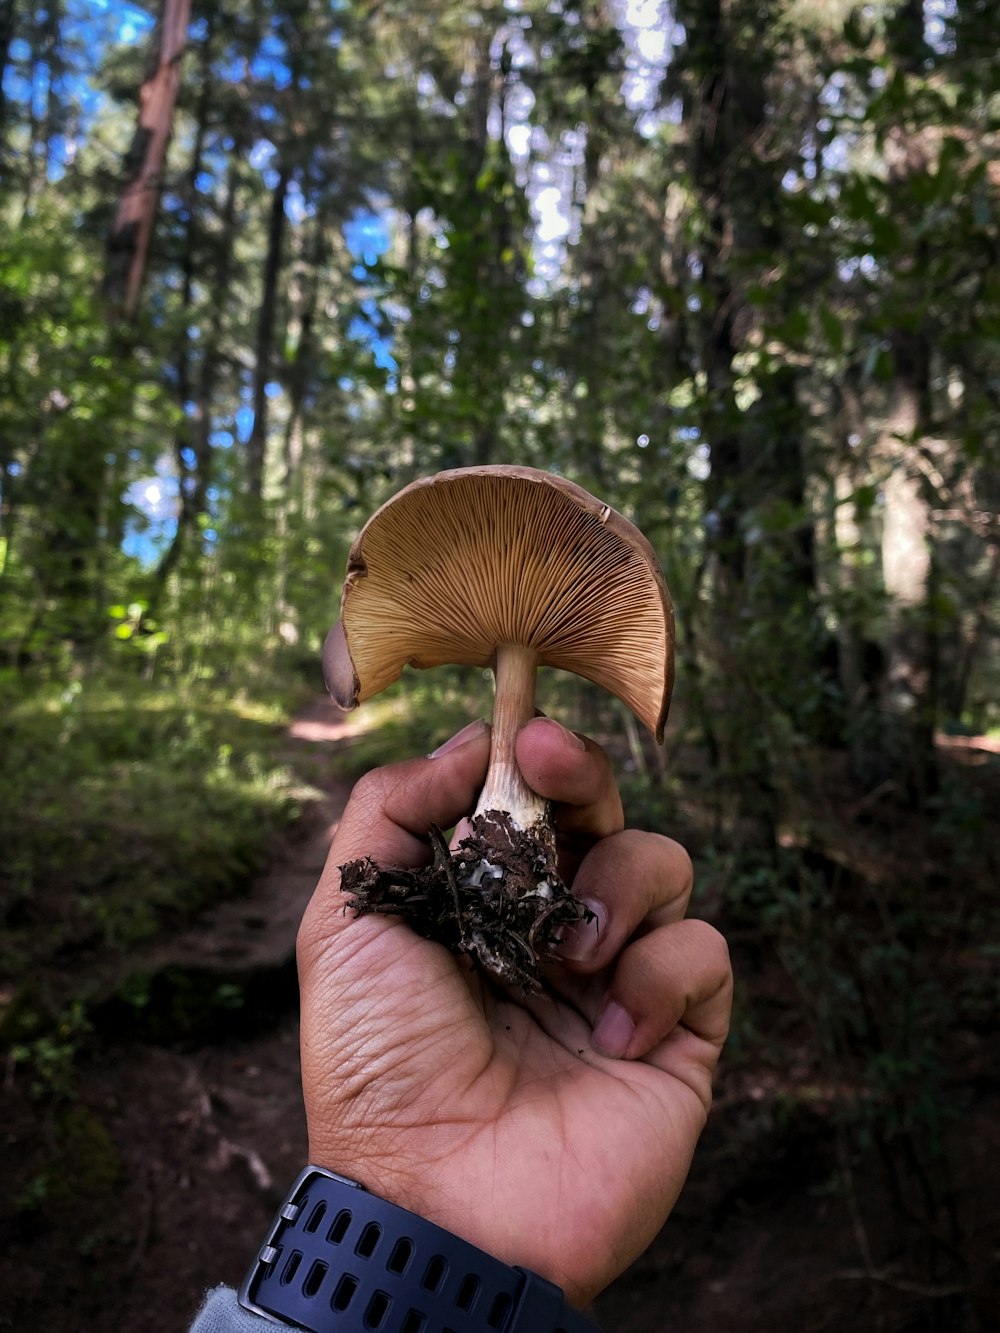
<point>7,30</point>
<point>749,412</point>
<point>129,239</point>
<point>267,326</point>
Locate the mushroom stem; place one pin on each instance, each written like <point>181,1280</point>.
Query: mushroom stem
<point>513,708</point>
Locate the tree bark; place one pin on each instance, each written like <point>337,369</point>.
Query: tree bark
<point>906,689</point>
<point>304,296</point>
<point>257,444</point>
<point>54,110</point>
<point>198,432</point>
<point>7,30</point>
<point>128,243</point>
<point>725,107</point>
<point>191,483</point>
<point>909,680</point>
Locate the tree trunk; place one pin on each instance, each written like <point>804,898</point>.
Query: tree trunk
<point>909,681</point>
<point>198,432</point>
<point>975,640</point>
<point>7,30</point>
<point>257,444</point>
<point>906,687</point>
<point>54,112</point>
<point>189,483</point>
<point>128,243</point>
<point>725,106</point>
<point>307,275</point>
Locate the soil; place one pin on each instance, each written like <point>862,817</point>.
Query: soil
<point>498,897</point>
<point>157,1179</point>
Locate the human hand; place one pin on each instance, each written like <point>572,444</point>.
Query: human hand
<point>553,1131</point>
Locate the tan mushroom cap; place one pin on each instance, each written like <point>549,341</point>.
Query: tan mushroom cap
<point>460,562</point>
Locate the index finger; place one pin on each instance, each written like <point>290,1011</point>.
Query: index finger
<point>575,774</point>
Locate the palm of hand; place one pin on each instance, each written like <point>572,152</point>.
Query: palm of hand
<point>490,1115</point>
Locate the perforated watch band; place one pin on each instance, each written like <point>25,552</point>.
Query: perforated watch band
<point>340,1260</point>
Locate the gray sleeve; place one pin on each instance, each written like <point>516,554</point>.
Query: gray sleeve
<point>220,1313</point>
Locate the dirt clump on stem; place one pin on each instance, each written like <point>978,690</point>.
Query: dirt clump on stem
<point>497,897</point>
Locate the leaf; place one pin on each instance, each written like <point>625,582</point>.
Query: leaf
<point>794,328</point>
<point>885,234</point>
<point>864,499</point>
<point>879,363</point>
<point>885,365</point>
<point>856,201</point>
<point>833,329</point>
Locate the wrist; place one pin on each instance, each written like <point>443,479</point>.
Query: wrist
<point>340,1258</point>
<point>504,1226</point>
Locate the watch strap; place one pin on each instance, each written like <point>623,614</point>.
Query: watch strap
<point>338,1259</point>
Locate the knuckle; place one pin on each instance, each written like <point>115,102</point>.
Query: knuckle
<point>370,789</point>
<point>675,861</point>
<point>378,794</point>
<point>711,943</point>
<point>682,858</point>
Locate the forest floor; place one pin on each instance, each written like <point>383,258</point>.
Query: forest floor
<point>157,1177</point>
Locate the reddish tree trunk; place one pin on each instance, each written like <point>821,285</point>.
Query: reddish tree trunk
<point>128,243</point>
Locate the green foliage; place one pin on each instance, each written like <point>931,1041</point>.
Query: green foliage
<point>417,714</point>
<point>48,1049</point>
<point>178,1004</point>
<point>878,971</point>
<point>126,805</point>
<point>84,1164</point>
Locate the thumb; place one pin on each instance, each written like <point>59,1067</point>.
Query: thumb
<point>391,809</point>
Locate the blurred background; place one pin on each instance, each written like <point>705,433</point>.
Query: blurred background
<point>733,266</point>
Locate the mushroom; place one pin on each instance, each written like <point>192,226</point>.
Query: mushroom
<point>509,568</point>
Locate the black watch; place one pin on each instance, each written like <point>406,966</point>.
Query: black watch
<point>338,1259</point>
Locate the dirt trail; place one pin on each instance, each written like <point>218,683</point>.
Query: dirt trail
<point>256,932</point>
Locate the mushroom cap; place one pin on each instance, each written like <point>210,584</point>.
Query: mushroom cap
<point>462,561</point>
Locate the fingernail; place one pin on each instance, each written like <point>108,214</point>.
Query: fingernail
<point>569,737</point>
<point>582,940</point>
<point>468,733</point>
<point>613,1032</point>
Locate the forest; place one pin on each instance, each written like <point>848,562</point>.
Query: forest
<point>731,265</point>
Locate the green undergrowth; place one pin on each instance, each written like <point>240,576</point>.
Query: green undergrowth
<point>126,805</point>
<point>424,708</point>
<point>417,714</point>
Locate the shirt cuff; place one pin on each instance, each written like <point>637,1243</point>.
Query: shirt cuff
<point>222,1313</point>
